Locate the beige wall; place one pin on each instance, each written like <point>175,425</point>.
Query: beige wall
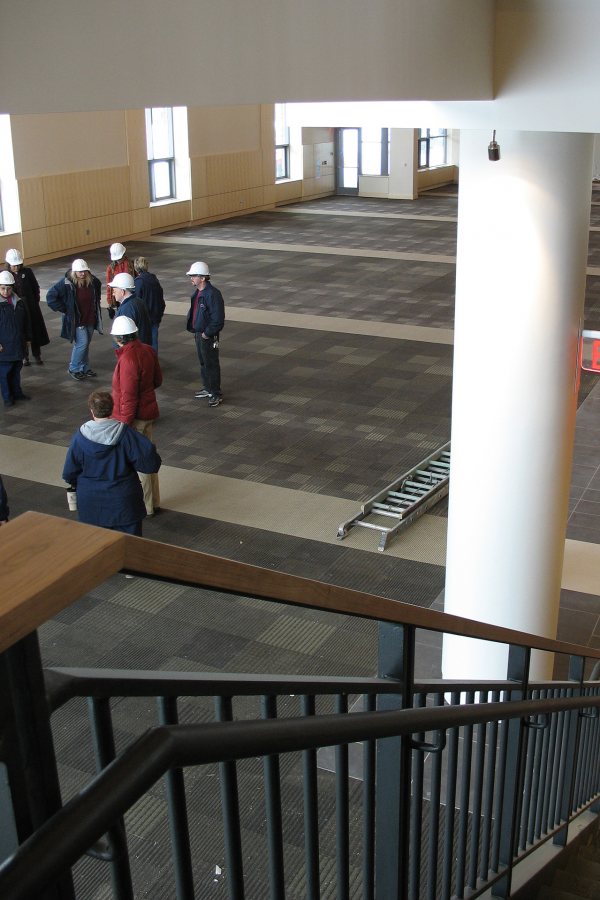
<point>83,179</point>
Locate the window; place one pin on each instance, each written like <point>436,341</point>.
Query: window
<point>432,147</point>
<point>374,151</point>
<point>282,143</point>
<point>1,216</point>
<point>161,153</point>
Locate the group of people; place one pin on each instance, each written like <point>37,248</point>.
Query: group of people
<point>116,443</point>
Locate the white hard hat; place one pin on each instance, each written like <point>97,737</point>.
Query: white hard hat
<point>80,265</point>
<point>7,277</point>
<point>123,325</point>
<point>117,251</point>
<point>14,257</point>
<point>198,268</point>
<point>124,281</point>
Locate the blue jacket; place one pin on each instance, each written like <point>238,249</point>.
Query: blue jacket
<point>210,316</point>
<point>102,463</point>
<point>149,289</point>
<point>13,330</point>
<point>61,298</point>
<point>135,308</point>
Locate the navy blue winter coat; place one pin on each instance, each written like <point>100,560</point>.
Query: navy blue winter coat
<point>135,308</point>
<point>210,315</point>
<point>62,298</point>
<point>109,492</point>
<point>149,289</point>
<point>13,330</point>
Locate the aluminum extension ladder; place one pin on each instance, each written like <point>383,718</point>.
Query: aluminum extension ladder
<point>405,499</point>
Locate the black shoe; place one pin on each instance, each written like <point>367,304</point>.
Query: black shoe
<point>26,362</point>
<point>90,374</point>
<point>22,397</point>
<point>202,393</point>
<point>9,402</point>
<point>78,376</point>
<point>39,360</point>
<point>214,400</point>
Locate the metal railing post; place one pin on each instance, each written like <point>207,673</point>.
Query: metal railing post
<point>514,773</point>
<point>177,809</point>
<point>104,753</point>
<point>573,726</point>
<point>392,804</point>
<point>27,751</point>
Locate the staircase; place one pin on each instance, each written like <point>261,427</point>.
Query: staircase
<point>580,875</point>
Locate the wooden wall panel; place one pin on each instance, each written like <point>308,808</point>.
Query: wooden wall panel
<point>141,221</point>
<point>170,214</point>
<point>35,243</point>
<point>82,195</point>
<point>75,235</point>
<point>234,171</point>
<point>31,203</point>
<point>8,241</point>
<point>139,189</point>
<point>199,178</point>
<point>235,202</point>
<point>200,208</point>
<point>286,191</point>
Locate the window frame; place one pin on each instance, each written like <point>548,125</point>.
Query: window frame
<point>154,161</point>
<point>425,140</point>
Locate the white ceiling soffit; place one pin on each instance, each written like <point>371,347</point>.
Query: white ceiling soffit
<point>77,55</point>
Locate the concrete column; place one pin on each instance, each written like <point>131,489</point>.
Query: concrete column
<point>520,286</point>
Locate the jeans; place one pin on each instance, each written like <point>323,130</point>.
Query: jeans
<point>81,349</point>
<point>210,369</point>
<point>155,337</point>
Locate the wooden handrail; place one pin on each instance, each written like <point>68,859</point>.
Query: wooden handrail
<point>46,563</point>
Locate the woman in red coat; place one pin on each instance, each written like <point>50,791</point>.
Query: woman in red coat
<point>135,379</point>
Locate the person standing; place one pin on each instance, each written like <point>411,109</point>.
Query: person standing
<point>206,319</point>
<point>119,262</point>
<point>126,304</point>
<point>77,297</point>
<point>148,288</point>
<point>13,337</point>
<point>101,465</point>
<point>28,289</point>
<point>135,379</point>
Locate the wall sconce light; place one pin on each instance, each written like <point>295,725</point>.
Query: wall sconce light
<point>493,149</point>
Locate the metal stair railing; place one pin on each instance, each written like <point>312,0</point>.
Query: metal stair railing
<point>460,780</point>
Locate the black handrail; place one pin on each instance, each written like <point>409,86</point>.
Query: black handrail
<point>60,841</point>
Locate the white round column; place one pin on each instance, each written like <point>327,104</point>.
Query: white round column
<point>520,285</point>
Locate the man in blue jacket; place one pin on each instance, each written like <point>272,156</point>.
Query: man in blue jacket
<point>102,464</point>
<point>131,306</point>
<point>205,319</point>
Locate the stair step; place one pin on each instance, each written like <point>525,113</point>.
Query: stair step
<point>590,852</point>
<point>553,893</point>
<point>572,879</point>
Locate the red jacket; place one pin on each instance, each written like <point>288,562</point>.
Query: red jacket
<point>137,373</point>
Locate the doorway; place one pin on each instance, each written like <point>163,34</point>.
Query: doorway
<point>347,160</point>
